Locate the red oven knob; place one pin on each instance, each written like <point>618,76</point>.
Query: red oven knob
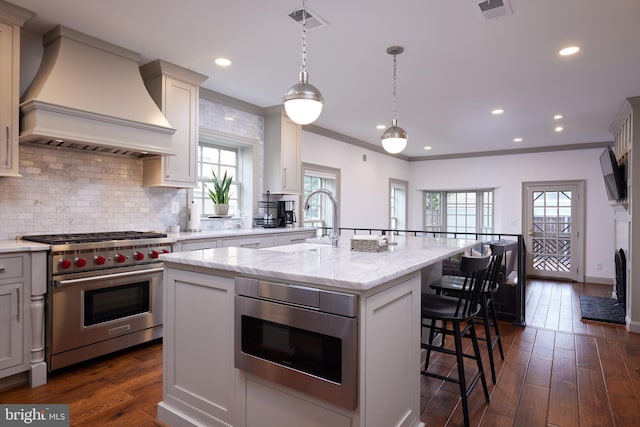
<point>100,260</point>
<point>64,263</point>
<point>154,254</point>
<point>121,258</point>
<point>165,251</point>
<point>139,256</point>
<point>81,261</point>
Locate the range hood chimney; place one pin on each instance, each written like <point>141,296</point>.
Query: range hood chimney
<point>88,94</point>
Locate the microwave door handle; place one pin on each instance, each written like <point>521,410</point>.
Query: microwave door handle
<point>62,283</point>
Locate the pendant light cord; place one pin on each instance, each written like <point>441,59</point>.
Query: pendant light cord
<point>304,36</point>
<point>395,76</point>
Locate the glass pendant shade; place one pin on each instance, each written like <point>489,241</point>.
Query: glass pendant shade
<point>394,139</point>
<point>303,101</point>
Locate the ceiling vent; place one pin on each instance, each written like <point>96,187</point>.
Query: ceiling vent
<point>313,21</point>
<point>493,8</point>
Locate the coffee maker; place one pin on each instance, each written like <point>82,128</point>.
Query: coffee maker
<point>286,213</point>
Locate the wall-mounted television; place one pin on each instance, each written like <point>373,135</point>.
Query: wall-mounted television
<point>614,175</point>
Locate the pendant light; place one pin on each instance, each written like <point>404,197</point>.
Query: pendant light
<point>394,139</point>
<point>303,101</point>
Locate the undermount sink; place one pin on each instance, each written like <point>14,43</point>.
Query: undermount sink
<point>299,247</point>
<point>324,240</point>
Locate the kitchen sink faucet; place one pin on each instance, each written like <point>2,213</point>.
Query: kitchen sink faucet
<point>336,216</point>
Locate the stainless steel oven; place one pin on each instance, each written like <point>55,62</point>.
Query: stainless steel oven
<point>301,337</point>
<point>104,293</point>
<point>98,313</point>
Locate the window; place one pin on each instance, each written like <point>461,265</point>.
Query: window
<point>398,204</point>
<point>320,212</point>
<point>458,211</point>
<point>218,159</point>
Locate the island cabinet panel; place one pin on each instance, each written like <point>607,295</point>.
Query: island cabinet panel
<point>390,356</point>
<point>268,407</point>
<point>199,379</point>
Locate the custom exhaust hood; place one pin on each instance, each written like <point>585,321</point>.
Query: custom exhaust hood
<point>88,94</point>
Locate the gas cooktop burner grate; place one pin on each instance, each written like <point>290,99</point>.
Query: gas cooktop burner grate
<point>61,239</point>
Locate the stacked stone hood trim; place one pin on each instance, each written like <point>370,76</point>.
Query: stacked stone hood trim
<point>88,94</point>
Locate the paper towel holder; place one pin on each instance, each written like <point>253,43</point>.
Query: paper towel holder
<point>193,224</point>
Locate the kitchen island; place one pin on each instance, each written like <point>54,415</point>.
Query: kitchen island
<point>203,387</point>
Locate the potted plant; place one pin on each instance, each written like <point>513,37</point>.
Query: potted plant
<point>220,193</point>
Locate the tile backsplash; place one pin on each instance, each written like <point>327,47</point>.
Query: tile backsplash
<point>73,191</point>
<point>69,191</point>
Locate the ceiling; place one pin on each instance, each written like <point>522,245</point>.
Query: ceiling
<point>456,68</point>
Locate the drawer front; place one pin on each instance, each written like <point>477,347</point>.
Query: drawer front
<point>204,244</point>
<point>249,242</point>
<point>11,267</point>
<point>293,238</point>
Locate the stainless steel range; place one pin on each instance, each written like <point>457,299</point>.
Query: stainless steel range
<point>104,293</point>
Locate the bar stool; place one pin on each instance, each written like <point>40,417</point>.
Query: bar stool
<point>451,285</point>
<point>459,311</point>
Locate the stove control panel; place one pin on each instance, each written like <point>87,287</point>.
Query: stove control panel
<point>95,259</point>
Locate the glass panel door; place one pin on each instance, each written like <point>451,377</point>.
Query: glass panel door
<point>554,224</point>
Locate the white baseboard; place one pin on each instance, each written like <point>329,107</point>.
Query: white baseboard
<point>599,280</point>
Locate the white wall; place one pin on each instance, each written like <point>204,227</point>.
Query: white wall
<point>507,173</point>
<point>364,188</point>
<point>364,192</point>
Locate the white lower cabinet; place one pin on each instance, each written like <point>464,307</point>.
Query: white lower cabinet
<point>22,290</point>
<point>266,406</point>
<point>246,241</point>
<point>12,325</point>
<point>252,242</point>
<point>194,245</point>
<point>293,238</point>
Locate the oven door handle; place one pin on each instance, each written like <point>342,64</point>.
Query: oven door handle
<point>62,283</point>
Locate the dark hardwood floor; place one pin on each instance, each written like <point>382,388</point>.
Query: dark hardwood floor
<point>117,390</point>
<point>558,371</point>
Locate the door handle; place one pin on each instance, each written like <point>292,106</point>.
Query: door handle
<point>530,232</point>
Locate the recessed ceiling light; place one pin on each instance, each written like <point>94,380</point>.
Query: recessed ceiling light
<point>380,127</point>
<point>223,62</point>
<point>557,117</point>
<point>497,111</point>
<point>559,129</point>
<point>569,50</point>
<point>228,118</point>
<point>427,147</point>
<point>517,139</point>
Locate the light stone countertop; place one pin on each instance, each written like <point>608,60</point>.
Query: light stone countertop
<point>8,246</point>
<point>18,245</point>
<point>232,232</point>
<point>326,266</point>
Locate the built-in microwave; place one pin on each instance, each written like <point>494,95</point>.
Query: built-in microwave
<point>300,337</point>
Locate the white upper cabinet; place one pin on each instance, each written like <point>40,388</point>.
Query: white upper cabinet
<point>11,19</point>
<point>175,90</point>
<point>282,164</point>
